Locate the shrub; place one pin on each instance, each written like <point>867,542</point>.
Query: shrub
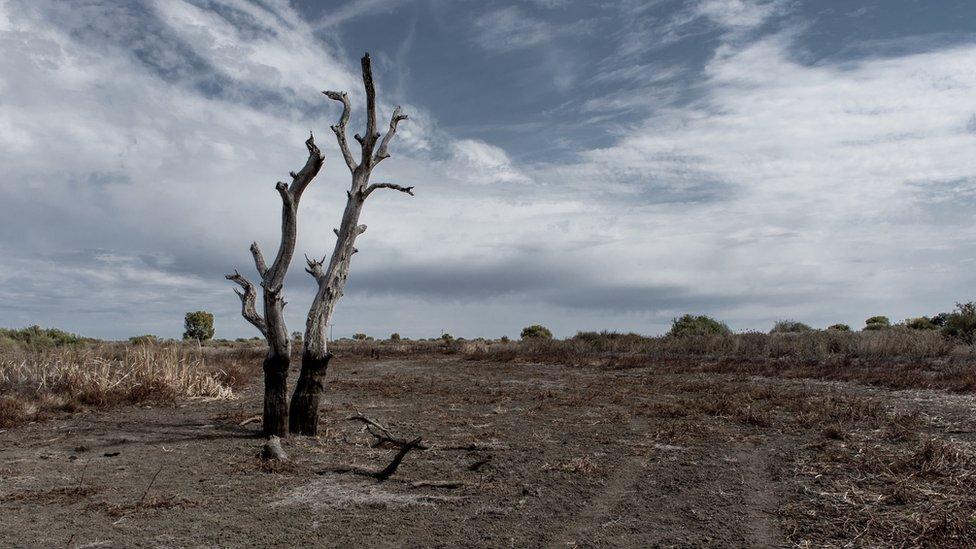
<point>690,325</point>
<point>839,328</point>
<point>36,337</point>
<point>940,319</point>
<point>395,336</point>
<point>360,337</point>
<point>920,323</point>
<point>504,339</point>
<point>536,331</point>
<point>961,323</point>
<point>296,337</point>
<point>198,325</point>
<point>147,339</point>
<point>447,337</point>
<point>789,327</point>
<point>877,323</point>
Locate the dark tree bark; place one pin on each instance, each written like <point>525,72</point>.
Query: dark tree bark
<point>272,324</point>
<point>332,280</point>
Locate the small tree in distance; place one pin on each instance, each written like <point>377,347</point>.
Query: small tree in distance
<point>920,323</point>
<point>790,327</point>
<point>198,325</point>
<point>961,323</point>
<point>877,323</point>
<point>690,325</point>
<point>536,331</point>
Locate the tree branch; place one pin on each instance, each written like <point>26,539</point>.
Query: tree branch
<point>259,260</point>
<point>369,140</point>
<point>381,153</point>
<point>340,128</point>
<point>308,172</point>
<point>248,298</point>
<point>314,267</point>
<point>374,186</point>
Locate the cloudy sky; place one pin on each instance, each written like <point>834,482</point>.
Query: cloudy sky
<point>584,165</point>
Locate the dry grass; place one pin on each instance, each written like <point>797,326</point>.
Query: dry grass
<point>865,474</point>
<point>896,358</point>
<point>37,385</point>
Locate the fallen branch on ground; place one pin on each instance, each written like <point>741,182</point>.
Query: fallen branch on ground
<point>386,473</point>
<point>250,420</point>
<point>437,484</point>
<point>381,433</point>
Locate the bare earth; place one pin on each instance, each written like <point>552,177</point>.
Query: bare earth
<point>575,457</point>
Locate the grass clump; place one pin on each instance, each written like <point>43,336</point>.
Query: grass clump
<point>38,385</point>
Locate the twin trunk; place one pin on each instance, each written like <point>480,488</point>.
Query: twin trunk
<point>302,416</point>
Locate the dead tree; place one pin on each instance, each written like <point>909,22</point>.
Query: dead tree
<point>272,323</point>
<point>332,279</point>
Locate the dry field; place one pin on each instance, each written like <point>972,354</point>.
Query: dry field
<point>552,445</point>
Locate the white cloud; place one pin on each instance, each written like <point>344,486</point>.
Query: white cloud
<point>354,9</point>
<point>510,28</point>
<point>480,162</point>
<point>739,15</point>
<point>822,176</point>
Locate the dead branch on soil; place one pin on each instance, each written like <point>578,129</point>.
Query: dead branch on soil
<point>381,433</point>
<point>437,484</point>
<point>387,471</point>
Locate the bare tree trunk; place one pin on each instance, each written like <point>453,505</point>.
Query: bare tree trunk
<point>332,280</point>
<point>272,324</point>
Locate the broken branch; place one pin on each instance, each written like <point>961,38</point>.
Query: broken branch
<point>340,128</point>
<point>381,433</point>
<point>248,298</point>
<point>382,153</point>
<point>374,186</point>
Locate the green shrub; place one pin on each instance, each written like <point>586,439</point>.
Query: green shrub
<point>839,328</point>
<point>360,337</point>
<point>395,337</point>
<point>36,337</point>
<point>940,319</point>
<point>536,331</point>
<point>961,323</point>
<point>448,338</point>
<point>877,323</point>
<point>198,325</point>
<point>920,323</point>
<point>296,337</point>
<point>504,339</point>
<point>790,327</point>
<point>147,339</point>
<point>690,325</point>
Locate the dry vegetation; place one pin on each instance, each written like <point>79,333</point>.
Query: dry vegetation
<point>38,384</point>
<point>638,441</point>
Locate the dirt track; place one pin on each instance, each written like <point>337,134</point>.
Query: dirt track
<point>575,457</point>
